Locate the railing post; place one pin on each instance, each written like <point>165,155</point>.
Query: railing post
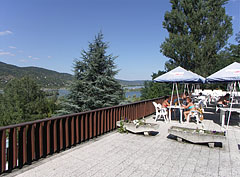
<point>94,124</point>
<point>82,128</point>
<point>77,130</point>
<point>12,161</point>
<point>60,134</point>
<point>67,132</point>
<point>54,136</point>
<point>98,123</point>
<point>90,125</point>
<point>22,146</point>
<point>72,131</point>
<point>3,151</point>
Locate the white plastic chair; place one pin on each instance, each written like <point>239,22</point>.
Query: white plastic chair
<point>160,112</point>
<point>194,113</point>
<point>201,104</point>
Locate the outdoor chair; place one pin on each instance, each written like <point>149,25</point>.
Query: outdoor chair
<point>201,104</point>
<point>194,113</point>
<point>160,112</point>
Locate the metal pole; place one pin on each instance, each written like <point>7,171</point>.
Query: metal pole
<point>232,96</point>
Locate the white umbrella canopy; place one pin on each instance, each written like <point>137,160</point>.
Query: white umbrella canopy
<point>230,73</point>
<point>179,75</point>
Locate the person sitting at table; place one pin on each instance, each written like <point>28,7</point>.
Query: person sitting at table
<point>175,100</point>
<point>223,100</point>
<point>189,107</point>
<point>201,97</point>
<point>184,99</point>
<point>165,103</point>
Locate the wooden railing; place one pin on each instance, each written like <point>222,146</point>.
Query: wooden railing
<point>30,141</point>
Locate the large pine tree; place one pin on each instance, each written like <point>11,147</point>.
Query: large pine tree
<point>198,30</point>
<point>94,85</point>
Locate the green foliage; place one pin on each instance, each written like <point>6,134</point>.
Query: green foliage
<point>94,84</point>
<point>122,128</point>
<point>44,77</point>
<point>66,106</point>
<point>231,53</point>
<point>23,101</point>
<point>153,90</point>
<point>198,30</point>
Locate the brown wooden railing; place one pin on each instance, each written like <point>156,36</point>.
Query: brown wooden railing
<point>30,141</point>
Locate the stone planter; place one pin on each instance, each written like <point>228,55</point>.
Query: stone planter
<point>198,135</point>
<point>146,128</point>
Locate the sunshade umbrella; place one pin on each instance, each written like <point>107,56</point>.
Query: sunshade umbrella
<point>230,73</point>
<point>179,75</point>
<point>202,79</point>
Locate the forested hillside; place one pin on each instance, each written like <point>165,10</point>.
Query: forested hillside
<point>44,77</point>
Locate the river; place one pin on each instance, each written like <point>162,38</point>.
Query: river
<point>131,93</point>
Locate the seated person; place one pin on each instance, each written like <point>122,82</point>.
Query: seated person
<point>184,99</point>
<point>223,101</point>
<point>165,103</point>
<point>175,100</point>
<point>189,107</point>
<point>201,97</point>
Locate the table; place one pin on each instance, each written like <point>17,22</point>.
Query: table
<point>223,111</point>
<point>175,107</point>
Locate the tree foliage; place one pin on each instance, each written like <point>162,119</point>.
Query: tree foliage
<point>231,53</point>
<point>22,100</point>
<point>154,90</point>
<point>198,30</point>
<point>94,84</point>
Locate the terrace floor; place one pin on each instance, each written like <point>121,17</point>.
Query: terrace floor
<point>116,154</point>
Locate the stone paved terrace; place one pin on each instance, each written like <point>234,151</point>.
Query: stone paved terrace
<point>116,154</point>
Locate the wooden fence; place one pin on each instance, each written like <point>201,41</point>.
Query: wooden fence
<point>30,141</point>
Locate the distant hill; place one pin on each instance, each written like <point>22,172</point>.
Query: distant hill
<point>46,78</point>
<point>131,83</point>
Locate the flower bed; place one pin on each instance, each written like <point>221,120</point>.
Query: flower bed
<point>198,135</point>
<point>137,126</point>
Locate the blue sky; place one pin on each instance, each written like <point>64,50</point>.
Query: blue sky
<point>52,33</point>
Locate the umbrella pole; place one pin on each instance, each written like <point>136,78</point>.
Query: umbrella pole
<point>232,96</point>
<point>184,89</point>
<point>179,104</point>
<point>188,89</point>
<point>170,116</point>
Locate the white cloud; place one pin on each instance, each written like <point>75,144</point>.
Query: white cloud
<point>12,47</point>
<point>3,33</point>
<point>49,56</point>
<point>6,53</point>
<point>34,58</point>
<point>23,60</point>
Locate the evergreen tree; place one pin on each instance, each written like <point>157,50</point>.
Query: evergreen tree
<point>23,101</point>
<point>94,85</point>
<point>198,30</point>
